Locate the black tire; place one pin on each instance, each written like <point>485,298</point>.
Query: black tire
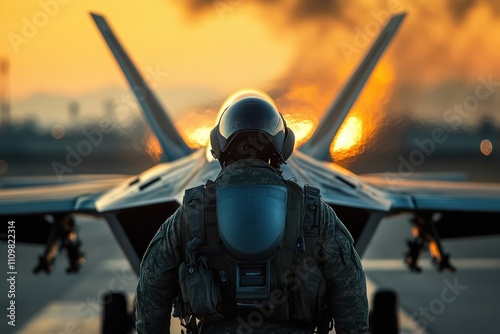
<point>115,318</point>
<point>384,315</point>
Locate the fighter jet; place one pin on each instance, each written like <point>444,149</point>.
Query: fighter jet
<point>135,207</point>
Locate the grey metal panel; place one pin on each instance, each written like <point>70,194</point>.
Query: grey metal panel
<point>439,195</point>
<point>338,185</point>
<point>165,182</point>
<point>76,197</point>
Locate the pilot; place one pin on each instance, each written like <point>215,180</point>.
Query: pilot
<point>252,252</point>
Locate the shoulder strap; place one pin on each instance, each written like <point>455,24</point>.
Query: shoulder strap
<point>312,202</point>
<point>194,205</point>
<point>222,266</point>
<point>211,229</point>
<point>294,217</point>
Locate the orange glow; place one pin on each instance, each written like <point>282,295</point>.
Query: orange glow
<point>153,147</point>
<point>349,134</point>
<point>486,147</point>
<point>199,137</point>
<point>433,248</point>
<point>298,107</point>
<point>366,117</point>
<point>302,129</point>
<point>58,131</point>
<point>415,232</point>
<point>195,126</point>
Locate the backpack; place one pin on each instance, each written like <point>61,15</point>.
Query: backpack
<point>289,286</point>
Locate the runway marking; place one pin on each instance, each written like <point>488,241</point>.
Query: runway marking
<point>460,264</point>
<point>115,264</point>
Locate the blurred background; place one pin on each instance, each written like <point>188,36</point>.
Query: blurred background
<point>59,83</point>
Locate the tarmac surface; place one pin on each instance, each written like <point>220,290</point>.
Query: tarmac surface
<point>466,301</point>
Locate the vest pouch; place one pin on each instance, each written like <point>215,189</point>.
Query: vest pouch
<point>198,288</point>
<point>309,294</point>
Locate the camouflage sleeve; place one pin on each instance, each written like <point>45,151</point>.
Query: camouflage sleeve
<point>158,278</point>
<point>346,285</point>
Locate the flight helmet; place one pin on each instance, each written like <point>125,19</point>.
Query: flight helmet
<point>250,126</point>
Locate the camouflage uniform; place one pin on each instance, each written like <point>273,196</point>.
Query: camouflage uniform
<point>346,288</point>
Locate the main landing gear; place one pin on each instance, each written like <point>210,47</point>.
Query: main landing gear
<point>425,234</point>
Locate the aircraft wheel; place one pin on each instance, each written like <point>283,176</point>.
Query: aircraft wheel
<point>115,319</point>
<point>384,315</point>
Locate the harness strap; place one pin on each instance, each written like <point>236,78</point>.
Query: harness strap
<point>217,253</point>
<point>212,232</point>
<point>288,251</point>
<point>312,220</point>
<point>312,217</point>
<point>194,205</point>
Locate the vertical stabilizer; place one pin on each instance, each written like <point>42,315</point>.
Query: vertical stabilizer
<point>318,146</point>
<point>170,140</point>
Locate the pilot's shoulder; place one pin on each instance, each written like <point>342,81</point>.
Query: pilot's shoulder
<point>171,226</point>
<point>332,224</point>
<point>328,215</point>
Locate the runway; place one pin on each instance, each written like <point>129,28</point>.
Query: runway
<point>463,302</point>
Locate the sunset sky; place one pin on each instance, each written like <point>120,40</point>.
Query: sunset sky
<point>62,52</point>
<point>301,52</point>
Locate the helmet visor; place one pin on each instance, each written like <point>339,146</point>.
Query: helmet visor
<point>253,114</point>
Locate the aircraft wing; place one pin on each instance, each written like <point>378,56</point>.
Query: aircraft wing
<point>41,208</point>
<point>46,195</point>
<point>436,195</point>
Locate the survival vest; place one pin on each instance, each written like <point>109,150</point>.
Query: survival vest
<point>288,286</point>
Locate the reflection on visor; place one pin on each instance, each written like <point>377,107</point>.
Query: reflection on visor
<point>251,114</point>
